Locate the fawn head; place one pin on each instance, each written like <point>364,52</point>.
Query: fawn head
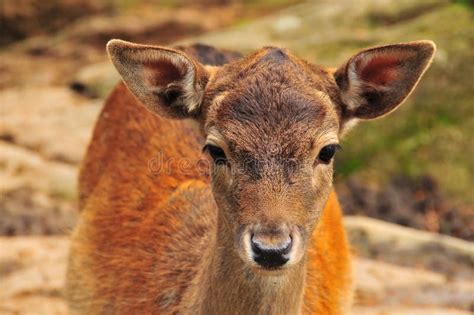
<point>272,123</point>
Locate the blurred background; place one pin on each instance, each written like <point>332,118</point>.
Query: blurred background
<point>406,183</point>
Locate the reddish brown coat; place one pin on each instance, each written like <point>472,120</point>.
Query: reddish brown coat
<point>149,227</point>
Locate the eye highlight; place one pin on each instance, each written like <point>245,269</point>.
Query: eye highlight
<point>327,153</point>
<point>216,153</point>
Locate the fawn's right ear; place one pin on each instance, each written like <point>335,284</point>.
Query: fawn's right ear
<point>168,82</point>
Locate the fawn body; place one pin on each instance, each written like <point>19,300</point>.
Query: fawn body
<point>262,233</point>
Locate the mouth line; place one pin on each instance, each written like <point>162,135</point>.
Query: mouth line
<point>278,271</point>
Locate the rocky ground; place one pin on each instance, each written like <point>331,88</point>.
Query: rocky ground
<point>55,79</point>
<point>428,274</point>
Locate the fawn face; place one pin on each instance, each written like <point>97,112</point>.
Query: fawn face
<point>272,131</point>
<point>273,124</point>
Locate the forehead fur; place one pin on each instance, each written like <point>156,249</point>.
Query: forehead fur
<point>272,101</point>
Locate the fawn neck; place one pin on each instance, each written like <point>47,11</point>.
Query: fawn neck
<point>233,288</point>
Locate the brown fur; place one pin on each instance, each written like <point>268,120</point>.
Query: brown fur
<point>166,240</point>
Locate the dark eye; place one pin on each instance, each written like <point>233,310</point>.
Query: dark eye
<point>216,153</point>
<point>327,153</point>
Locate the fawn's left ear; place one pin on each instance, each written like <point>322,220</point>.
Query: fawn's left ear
<point>167,81</point>
<point>376,81</point>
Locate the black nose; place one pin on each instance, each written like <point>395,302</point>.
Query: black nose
<point>271,256</point>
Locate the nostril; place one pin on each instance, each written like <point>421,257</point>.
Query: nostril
<point>271,254</point>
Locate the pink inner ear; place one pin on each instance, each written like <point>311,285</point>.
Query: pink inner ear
<point>162,72</point>
<point>380,69</point>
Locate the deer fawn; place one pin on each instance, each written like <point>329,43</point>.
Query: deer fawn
<point>262,232</point>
